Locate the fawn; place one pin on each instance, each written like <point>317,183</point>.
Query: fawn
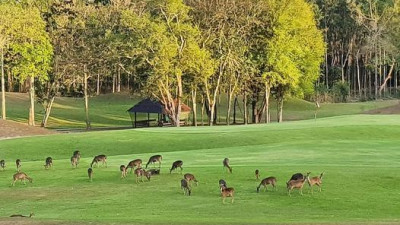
<point>315,181</point>
<point>134,163</point>
<point>18,163</point>
<point>123,170</point>
<point>185,187</point>
<point>48,163</point>
<point>19,215</point>
<point>22,177</point>
<point>99,158</point>
<point>74,162</point>
<point>154,159</point>
<point>190,177</point>
<point>3,164</point>
<point>90,173</point>
<point>141,172</point>
<point>225,163</point>
<point>227,192</point>
<point>265,182</point>
<point>298,184</point>
<point>175,165</point>
<point>257,173</point>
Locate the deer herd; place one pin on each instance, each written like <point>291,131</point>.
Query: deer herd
<point>297,180</point>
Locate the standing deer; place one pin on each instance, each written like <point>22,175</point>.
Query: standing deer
<point>18,164</point>
<point>222,185</point>
<point>77,154</point>
<point>190,177</point>
<point>3,164</point>
<point>257,173</point>
<point>123,170</point>
<point>139,172</point>
<point>265,182</point>
<point>297,176</point>
<point>154,159</point>
<point>134,163</point>
<point>185,187</point>
<point>74,162</point>
<point>99,158</point>
<point>315,181</point>
<point>298,184</point>
<point>225,163</point>
<point>227,192</point>
<point>175,165</point>
<point>22,177</point>
<point>48,163</point>
<point>90,173</point>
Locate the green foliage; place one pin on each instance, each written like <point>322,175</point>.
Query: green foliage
<point>341,90</point>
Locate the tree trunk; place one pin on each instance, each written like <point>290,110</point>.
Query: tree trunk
<point>279,103</point>
<point>47,112</point>
<point>98,85</point>
<point>358,73</point>
<point>228,112</point>
<point>31,120</point>
<point>266,106</point>
<point>113,83</point>
<point>119,80</point>
<point>376,71</point>
<point>85,80</point>
<point>387,78</point>
<point>203,103</point>
<point>178,104</point>
<point>194,106</point>
<point>234,109</point>
<point>245,108</point>
<point>3,88</point>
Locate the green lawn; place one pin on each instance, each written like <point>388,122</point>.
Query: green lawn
<point>359,155</point>
<point>110,110</point>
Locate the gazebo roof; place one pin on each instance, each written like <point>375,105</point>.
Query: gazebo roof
<point>149,106</point>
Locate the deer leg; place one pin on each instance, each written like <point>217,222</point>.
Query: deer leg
<point>301,191</point>
<point>232,199</point>
<point>223,200</point>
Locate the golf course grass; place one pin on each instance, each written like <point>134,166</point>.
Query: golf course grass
<point>359,155</point>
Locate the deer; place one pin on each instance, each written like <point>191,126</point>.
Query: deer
<point>74,162</point>
<point>190,177</point>
<point>77,154</point>
<point>18,164</point>
<point>315,181</point>
<point>123,170</point>
<point>257,173</point>
<point>99,158</point>
<point>90,173</point>
<point>134,163</point>
<point>227,192</point>
<point>225,163</point>
<point>154,171</point>
<point>265,182</point>
<point>298,184</point>
<point>2,164</point>
<point>222,185</point>
<point>20,215</point>
<point>154,159</point>
<point>48,163</point>
<point>297,176</point>
<point>22,177</point>
<point>185,187</point>
<point>175,165</point>
<point>141,172</point>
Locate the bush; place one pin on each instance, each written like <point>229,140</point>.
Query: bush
<point>341,91</point>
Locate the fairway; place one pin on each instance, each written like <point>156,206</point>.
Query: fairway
<point>359,155</point>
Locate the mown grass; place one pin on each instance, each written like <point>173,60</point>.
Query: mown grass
<point>110,110</point>
<point>359,155</point>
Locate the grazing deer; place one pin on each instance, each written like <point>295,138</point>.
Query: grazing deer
<point>315,181</point>
<point>18,163</point>
<point>154,159</point>
<point>297,176</point>
<point>257,173</point>
<point>99,158</point>
<point>154,171</point>
<point>134,163</point>
<point>22,177</point>
<point>190,177</point>
<point>123,170</point>
<point>74,162</point>
<point>175,165</point>
<point>265,182</point>
<point>185,187</point>
<point>225,163</point>
<point>227,192</point>
<point>48,163</point>
<point>298,184</point>
<point>222,185</point>
<point>77,154</point>
<point>139,172</point>
<point>3,164</point>
<point>90,173</point>
<point>19,215</point>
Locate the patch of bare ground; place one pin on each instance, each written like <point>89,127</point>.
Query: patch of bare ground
<point>11,129</point>
<point>385,111</point>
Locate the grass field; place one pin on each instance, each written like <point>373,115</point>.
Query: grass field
<point>359,155</point>
<point>110,110</point>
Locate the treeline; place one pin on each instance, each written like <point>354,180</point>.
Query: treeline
<point>195,51</point>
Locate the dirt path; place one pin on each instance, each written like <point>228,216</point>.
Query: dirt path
<point>10,129</point>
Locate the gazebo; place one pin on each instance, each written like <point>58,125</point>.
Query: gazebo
<point>149,106</point>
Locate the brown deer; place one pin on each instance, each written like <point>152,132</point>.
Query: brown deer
<point>48,163</point>
<point>99,158</point>
<point>297,184</point>
<point>154,171</point>
<point>77,154</point>
<point>225,163</point>
<point>20,215</point>
<point>315,181</point>
<point>90,173</point>
<point>3,164</point>
<point>265,182</point>
<point>222,185</point>
<point>190,177</point>
<point>134,163</point>
<point>139,172</point>
<point>74,162</point>
<point>18,164</point>
<point>227,192</point>
<point>185,187</point>
<point>123,170</point>
<point>257,173</point>
<point>22,177</point>
<point>175,165</point>
<point>297,176</point>
<point>154,159</point>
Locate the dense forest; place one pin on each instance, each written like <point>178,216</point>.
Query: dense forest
<point>197,51</point>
